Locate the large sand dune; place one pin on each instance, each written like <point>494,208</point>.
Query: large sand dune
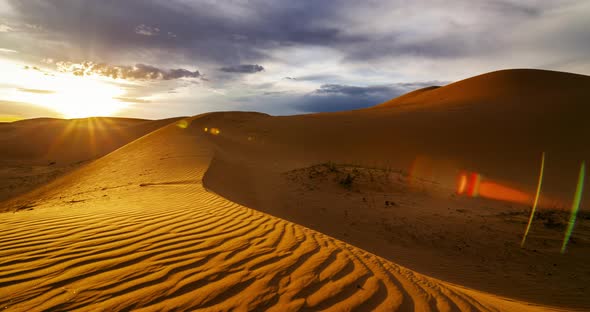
<point>496,124</point>
<point>137,230</point>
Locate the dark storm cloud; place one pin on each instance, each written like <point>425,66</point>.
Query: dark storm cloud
<point>219,33</point>
<point>335,97</point>
<point>180,73</point>
<point>233,32</point>
<point>137,72</point>
<point>513,7</point>
<point>243,69</point>
<point>316,77</point>
<point>328,89</point>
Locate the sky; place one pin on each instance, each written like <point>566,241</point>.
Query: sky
<point>163,58</point>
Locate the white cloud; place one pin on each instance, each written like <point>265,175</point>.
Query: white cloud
<point>7,51</point>
<point>5,28</point>
<point>34,27</point>
<point>146,30</point>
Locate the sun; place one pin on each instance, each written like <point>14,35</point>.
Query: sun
<point>85,98</point>
<point>68,95</point>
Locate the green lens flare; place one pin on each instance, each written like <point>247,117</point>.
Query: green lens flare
<point>528,227</point>
<point>575,207</point>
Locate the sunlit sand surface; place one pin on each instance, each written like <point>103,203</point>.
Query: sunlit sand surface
<point>107,243</point>
<point>36,151</point>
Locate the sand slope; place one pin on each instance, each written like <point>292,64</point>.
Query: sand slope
<point>137,230</point>
<point>496,124</point>
<point>36,151</point>
<point>505,117</point>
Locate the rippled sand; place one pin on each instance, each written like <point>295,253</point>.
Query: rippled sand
<point>137,230</point>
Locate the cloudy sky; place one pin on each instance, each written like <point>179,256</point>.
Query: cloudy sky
<point>163,58</point>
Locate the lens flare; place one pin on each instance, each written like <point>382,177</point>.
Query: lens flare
<point>469,184</point>
<point>472,184</point>
<point>575,207</point>
<point>462,184</point>
<point>213,131</point>
<point>528,227</point>
<point>420,170</point>
<point>497,191</point>
<point>183,124</point>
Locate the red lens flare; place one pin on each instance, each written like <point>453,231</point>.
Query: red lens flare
<point>492,190</point>
<point>469,184</point>
<point>472,184</point>
<point>462,183</point>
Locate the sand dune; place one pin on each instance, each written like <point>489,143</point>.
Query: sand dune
<point>136,229</point>
<point>36,151</point>
<point>506,117</point>
<point>496,124</point>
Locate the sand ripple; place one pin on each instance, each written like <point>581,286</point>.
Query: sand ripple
<point>170,244</point>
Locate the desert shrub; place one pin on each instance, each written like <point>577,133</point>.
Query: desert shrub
<point>554,219</point>
<point>347,181</point>
<point>331,166</point>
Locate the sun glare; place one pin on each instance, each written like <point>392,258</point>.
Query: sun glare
<point>66,94</point>
<point>84,98</point>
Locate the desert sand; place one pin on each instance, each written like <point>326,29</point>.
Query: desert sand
<point>36,151</point>
<point>343,211</point>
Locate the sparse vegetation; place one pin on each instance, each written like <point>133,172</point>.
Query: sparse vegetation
<point>331,166</point>
<point>553,219</point>
<point>390,203</point>
<point>347,181</point>
<point>349,176</point>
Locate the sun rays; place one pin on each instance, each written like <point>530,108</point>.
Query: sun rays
<point>94,130</point>
<point>68,95</point>
<point>85,98</point>
<point>77,97</point>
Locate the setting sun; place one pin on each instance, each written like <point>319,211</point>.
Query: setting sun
<point>85,98</point>
<point>68,95</point>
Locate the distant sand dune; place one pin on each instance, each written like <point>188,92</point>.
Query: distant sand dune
<point>98,241</point>
<point>34,152</point>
